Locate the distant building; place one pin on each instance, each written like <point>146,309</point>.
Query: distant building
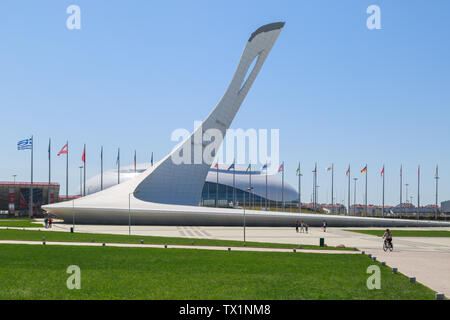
<point>335,208</point>
<point>360,210</point>
<point>445,207</point>
<point>15,197</point>
<point>404,209</point>
<point>410,209</point>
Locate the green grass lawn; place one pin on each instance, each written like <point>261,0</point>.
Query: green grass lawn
<point>39,272</point>
<point>407,233</point>
<point>19,223</point>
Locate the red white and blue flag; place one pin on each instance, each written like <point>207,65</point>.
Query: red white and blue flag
<point>281,168</point>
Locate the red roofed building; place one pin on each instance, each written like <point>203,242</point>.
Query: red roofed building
<point>14,197</point>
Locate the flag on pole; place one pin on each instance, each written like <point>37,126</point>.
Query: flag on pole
<point>348,171</point>
<point>134,160</point>
<point>216,166</point>
<point>281,168</point>
<point>329,168</point>
<point>83,157</point>
<point>264,166</point>
<point>382,172</point>
<point>248,168</point>
<point>437,172</point>
<point>63,150</point>
<point>118,157</point>
<point>49,143</point>
<point>25,144</point>
<point>231,166</point>
<point>151,161</point>
<point>297,172</point>
<point>364,170</point>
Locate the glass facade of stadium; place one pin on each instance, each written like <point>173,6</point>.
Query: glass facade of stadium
<point>225,198</point>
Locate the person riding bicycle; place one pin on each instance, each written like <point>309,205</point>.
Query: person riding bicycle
<point>388,236</point>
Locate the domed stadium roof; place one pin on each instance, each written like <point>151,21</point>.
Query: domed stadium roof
<point>258,177</point>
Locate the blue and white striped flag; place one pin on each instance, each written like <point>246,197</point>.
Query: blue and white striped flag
<point>25,144</point>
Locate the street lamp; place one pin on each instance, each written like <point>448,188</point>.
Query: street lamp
<point>250,190</point>
<point>129,213</point>
<point>407,185</point>
<point>14,176</point>
<point>317,195</point>
<point>73,215</point>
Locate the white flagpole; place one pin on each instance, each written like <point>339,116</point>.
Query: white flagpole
<point>299,189</point>
<point>265,205</point>
<point>49,168</point>
<point>418,193</point>
<point>250,187</point>
<point>315,188</point>
<point>332,188</point>
<point>267,199</point>
<point>101,168</point>
<point>349,179</point>
<point>234,183</point>
<point>118,166</point>
<point>67,171</point>
<point>437,178</point>
<point>366,188</point>
<point>401,191</point>
<point>84,165</point>
<point>282,188</point>
<point>31,184</point>
<point>217,185</point>
<point>382,212</point>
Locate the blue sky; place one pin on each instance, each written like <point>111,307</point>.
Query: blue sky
<point>137,70</point>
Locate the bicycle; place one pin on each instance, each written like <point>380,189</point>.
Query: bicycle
<point>387,245</point>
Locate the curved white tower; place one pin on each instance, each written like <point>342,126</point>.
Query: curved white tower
<point>168,193</point>
<point>172,183</point>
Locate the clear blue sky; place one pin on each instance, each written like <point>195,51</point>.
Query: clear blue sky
<point>137,70</point>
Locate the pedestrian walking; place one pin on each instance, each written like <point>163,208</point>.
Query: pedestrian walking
<point>324,226</point>
<point>296,226</point>
<point>302,227</point>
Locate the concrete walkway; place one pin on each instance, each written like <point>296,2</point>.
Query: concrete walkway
<point>133,245</point>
